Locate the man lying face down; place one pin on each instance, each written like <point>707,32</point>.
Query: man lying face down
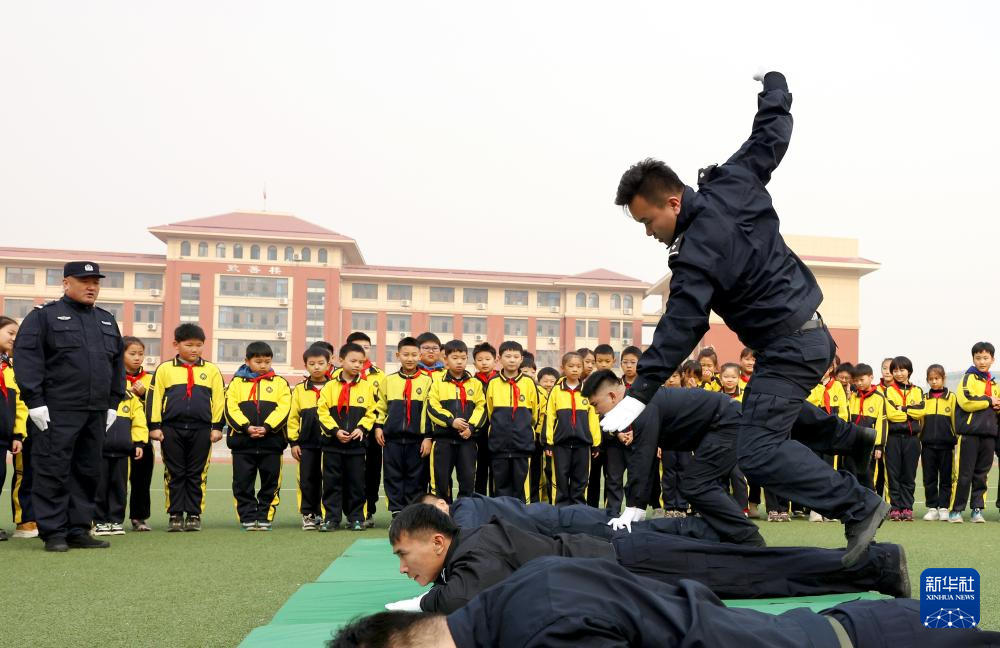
<point>463,562</point>
<point>556,602</point>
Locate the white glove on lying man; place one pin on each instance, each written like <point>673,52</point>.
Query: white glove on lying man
<point>408,605</point>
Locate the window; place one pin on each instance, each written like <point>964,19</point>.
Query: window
<point>547,358</point>
<point>253,318</point>
<point>593,301</point>
<point>272,253</point>
<point>149,314</point>
<point>289,253</point>
<point>203,249</point>
<point>148,281</point>
<point>363,321</point>
<point>364,291</point>
<point>322,256</point>
<point>185,248</point>
<point>113,308</point>
<point>397,323</point>
<point>399,292</point>
<point>442,324</point>
<point>17,308</point>
<point>306,254</point>
<point>616,330</point>
<point>22,276</point>
<point>251,286</point>
<point>113,279</point>
<point>315,309</point>
<point>475,296</point>
<point>547,299</point>
<point>474,325</point>
<point>616,301</point>
<point>235,350</point>
<point>220,250</point>
<point>515,297</point>
<point>586,328</point>
<point>153,349</point>
<point>255,252</point>
<point>517,327</point>
<point>237,251</point>
<point>628,302</point>
<point>442,295</point>
<point>190,297</point>
<point>547,328</point>
<point>581,300</point>
<point>53,277</point>
<point>592,329</point>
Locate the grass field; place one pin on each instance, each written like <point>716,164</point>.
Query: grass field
<point>212,588</point>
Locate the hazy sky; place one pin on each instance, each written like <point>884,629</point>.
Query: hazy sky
<point>502,129</point>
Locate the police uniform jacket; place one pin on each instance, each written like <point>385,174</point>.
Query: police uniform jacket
<point>13,411</point>
<point>451,398</point>
<point>263,401</point>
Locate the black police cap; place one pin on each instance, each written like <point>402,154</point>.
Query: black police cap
<point>81,269</point>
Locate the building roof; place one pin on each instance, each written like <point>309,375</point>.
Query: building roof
<point>59,257</point>
<point>599,277</point>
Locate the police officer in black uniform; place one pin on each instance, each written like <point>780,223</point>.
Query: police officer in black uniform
<point>727,255</point>
<point>70,369</point>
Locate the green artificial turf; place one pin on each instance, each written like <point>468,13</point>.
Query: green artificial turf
<point>212,588</point>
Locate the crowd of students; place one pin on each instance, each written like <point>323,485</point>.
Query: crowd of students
<point>453,422</point>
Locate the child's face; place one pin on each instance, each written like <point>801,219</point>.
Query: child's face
<point>604,361</point>
<point>485,362</point>
<point>747,363</point>
<point>863,383</point>
<point>456,361</point>
<point>7,335</point>
<point>935,380</point>
<point>352,363</point>
<point>707,368</point>
<point>629,365</point>
<point>845,378</point>
<point>317,366</point>
<point>982,360</point>
<point>510,361</point>
<point>366,345</point>
<point>259,364</point>
<point>588,364</point>
<point>408,358</point>
<point>886,373</point>
<point>548,381</point>
<point>674,380</point>
<point>133,357</point>
<point>529,371</point>
<point>730,379</point>
<point>900,375</point>
<point>189,350</point>
<point>430,351</point>
<point>691,379</point>
<point>573,369</point>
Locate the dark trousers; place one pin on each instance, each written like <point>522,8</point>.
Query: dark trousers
<point>936,463</point>
<point>141,479</point>
<point>902,453</point>
<point>310,482</point>
<point>257,507</point>
<point>674,463</point>
<point>484,478</point>
<point>535,467</point>
<point>510,474</point>
<point>571,465</point>
<point>736,484</point>
<point>787,368</point>
<point>401,465</point>
<point>896,622</point>
<point>614,476</point>
<point>594,522</point>
<point>22,482</point>
<point>974,458</point>
<point>656,485</point>
<point>457,456</point>
<point>67,462</point>
<point>186,453</point>
<point>876,478</point>
<point>343,486</point>
<point>742,572</point>
<point>112,488</point>
<point>373,476</point>
<point>594,482</point>
<point>3,467</point>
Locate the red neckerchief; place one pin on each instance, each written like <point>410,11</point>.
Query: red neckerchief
<point>344,402</point>
<point>329,372</point>
<point>745,377</point>
<point>861,404</point>
<point>735,394</point>
<point>254,394</point>
<point>314,389</point>
<point>486,377</point>
<point>515,393</point>
<point>460,384</point>
<point>826,394</point>
<point>364,369</point>
<point>426,372</point>
<point>572,401</point>
<point>190,376</point>
<point>3,381</point>
<point>408,393</point>
<point>903,393</point>
<point>132,379</point>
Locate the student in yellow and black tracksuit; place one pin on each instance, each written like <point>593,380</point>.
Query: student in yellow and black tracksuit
<point>867,409</point>
<point>736,481</point>
<point>485,358</point>
<point>937,440</point>
<point>123,441</point>
<point>140,473</point>
<point>257,406</point>
<point>572,433</point>
<point>903,447</point>
<point>304,436</point>
<point>512,406</point>
<point>454,411</point>
<point>13,416</point>
<point>185,413</point>
<point>545,380</point>
<point>347,413</point>
<point>976,426</point>
<point>373,451</point>
<point>398,428</point>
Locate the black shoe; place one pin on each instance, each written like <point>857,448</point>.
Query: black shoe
<point>86,541</point>
<point>176,523</point>
<point>56,545</point>
<point>864,446</point>
<point>193,523</point>
<point>861,533</point>
<point>3,535</point>
<point>898,574</point>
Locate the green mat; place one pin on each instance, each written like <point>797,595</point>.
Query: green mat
<point>366,577</point>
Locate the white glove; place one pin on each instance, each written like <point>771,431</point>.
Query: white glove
<point>112,415</point>
<point>409,605</point>
<point>622,415</point>
<point>628,516</point>
<point>761,73</point>
<point>40,417</point>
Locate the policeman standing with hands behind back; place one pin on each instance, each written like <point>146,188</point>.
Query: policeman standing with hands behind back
<point>69,366</point>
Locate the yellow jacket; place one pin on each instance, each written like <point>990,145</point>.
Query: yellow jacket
<point>898,401</point>
<point>977,417</point>
<point>263,401</point>
<point>14,413</point>
<point>129,429</point>
<point>346,405</point>
<point>831,398</point>
<point>570,419</point>
<point>512,407</point>
<point>868,410</point>
<point>187,396</point>
<point>451,398</point>
<point>303,420</point>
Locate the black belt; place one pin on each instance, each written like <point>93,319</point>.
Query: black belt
<point>815,323</point>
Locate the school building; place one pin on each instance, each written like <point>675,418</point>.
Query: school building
<point>269,276</point>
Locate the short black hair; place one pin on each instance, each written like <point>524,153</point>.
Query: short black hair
<point>596,380</point>
<point>651,179</point>
<point>421,517</point>
<point>632,351</point>
<point>569,355</point>
<point>189,331</point>
<point>979,347</point>
<point>259,350</point>
<point>484,347</point>
<point>901,362</point>
<point>316,351</point>
<point>426,498</point>
<point>528,360</point>
<point>357,335</point>
<point>127,341</point>
<point>604,349</point>
<point>584,352</point>
<point>709,352</point>
<point>729,365</point>
<point>323,344</point>
<point>847,366</point>
<point>936,368</point>
<point>690,366</point>
<point>455,346</point>
<point>388,629</point>
<point>547,371</point>
<point>511,345</point>
<point>427,336</point>
<point>861,369</point>
<point>408,341</point>
<point>350,348</point>
<point>747,352</point>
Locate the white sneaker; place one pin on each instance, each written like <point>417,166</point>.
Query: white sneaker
<point>932,515</point>
<point>943,514</point>
<point>815,517</point>
<point>117,529</point>
<point>102,529</point>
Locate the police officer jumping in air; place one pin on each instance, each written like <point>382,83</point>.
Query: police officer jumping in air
<point>70,369</point>
<point>726,254</point>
